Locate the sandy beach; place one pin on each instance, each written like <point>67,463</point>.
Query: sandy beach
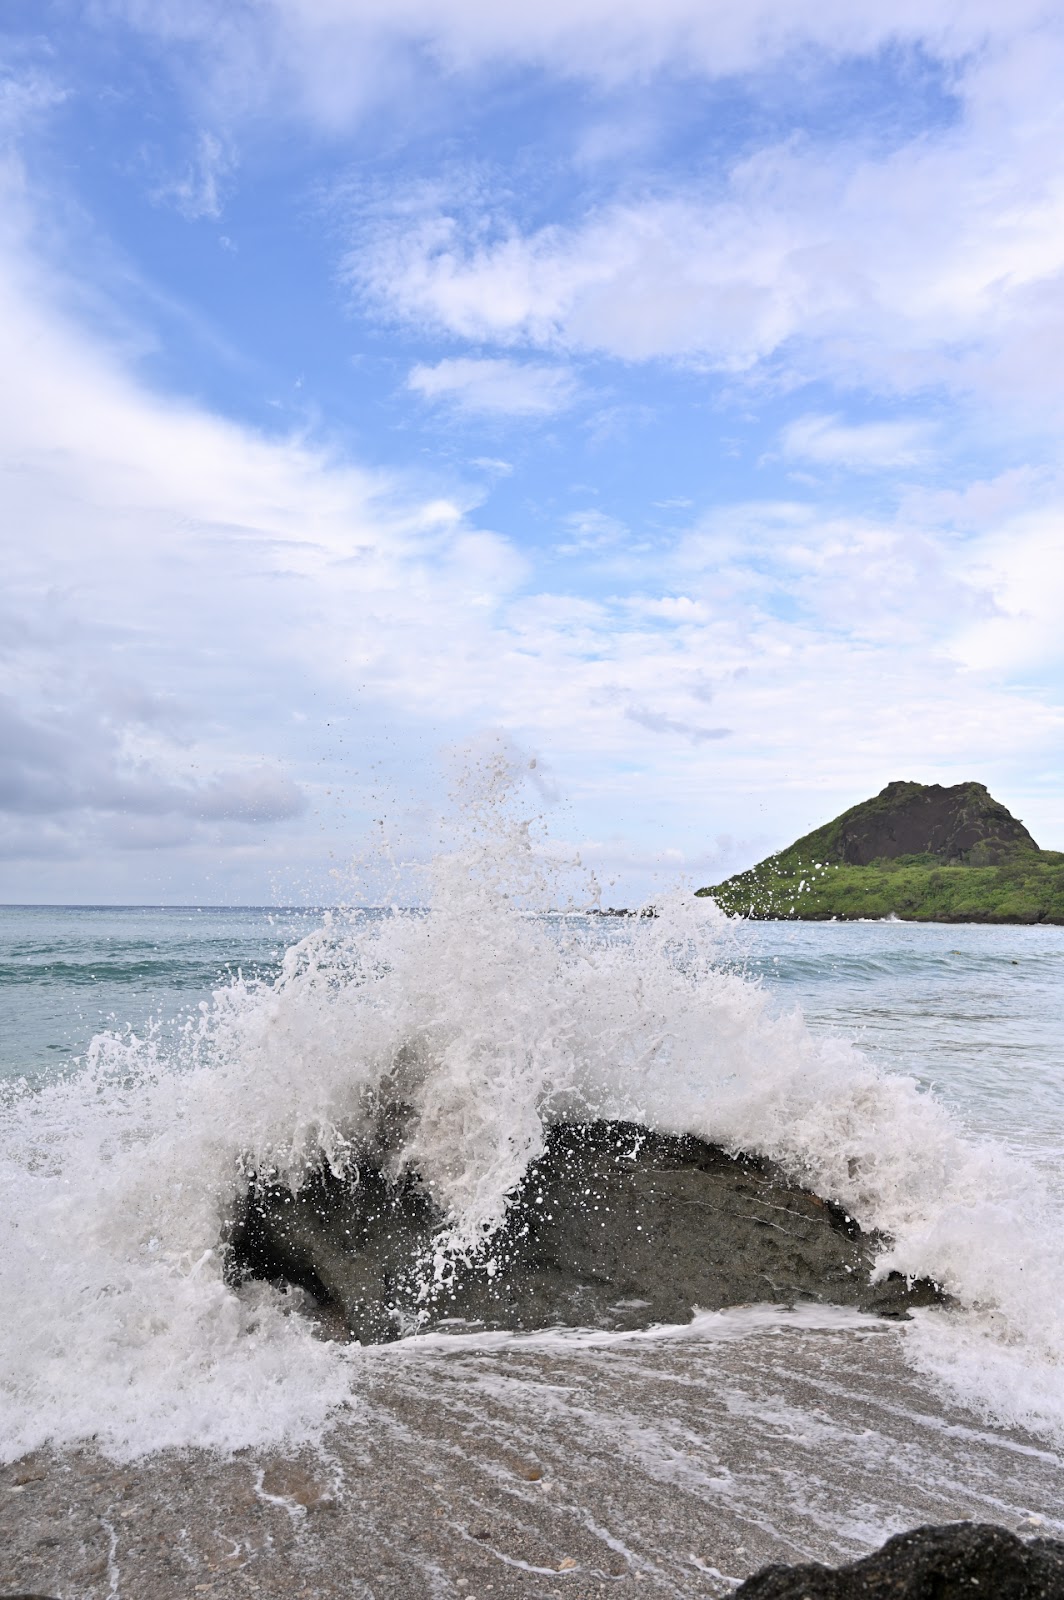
<point>538,1468</point>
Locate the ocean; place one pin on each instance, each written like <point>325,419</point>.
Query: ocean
<point>151,1058</point>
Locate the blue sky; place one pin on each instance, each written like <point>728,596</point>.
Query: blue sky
<point>673,390</point>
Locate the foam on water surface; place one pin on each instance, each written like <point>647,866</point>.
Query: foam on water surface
<point>462,1031</point>
<point>550,1464</point>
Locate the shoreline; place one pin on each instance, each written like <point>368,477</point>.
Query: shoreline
<point>918,922</point>
<point>669,1464</point>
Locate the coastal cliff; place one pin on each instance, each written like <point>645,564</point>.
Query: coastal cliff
<point>919,852</point>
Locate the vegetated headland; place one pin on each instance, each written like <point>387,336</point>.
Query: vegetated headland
<point>917,851</point>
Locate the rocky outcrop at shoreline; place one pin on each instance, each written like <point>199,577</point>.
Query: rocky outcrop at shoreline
<point>614,1226</point>
<point>953,1562</point>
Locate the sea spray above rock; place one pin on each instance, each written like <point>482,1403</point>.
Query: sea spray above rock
<point>916,851</point>
<point>488,1022</point>
<point>612,1226</point>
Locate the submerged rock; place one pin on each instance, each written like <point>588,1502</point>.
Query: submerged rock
<point>959,1560</point>
<point>613,1226</point>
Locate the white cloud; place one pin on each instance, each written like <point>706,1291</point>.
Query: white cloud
<point>500,387</point>
<point>26,97</point>
<point>879,583</point>
<point>74,760</point>
<point>592,529</point>
<point>658,722</point>
<point>984,503</point>
<point>180,586</point>
<point>1021,561</point>
<point>938,262</point>
<point>328,60</point>
<point>197,193</point>
<point>302,593</point>
<point>866,446</point>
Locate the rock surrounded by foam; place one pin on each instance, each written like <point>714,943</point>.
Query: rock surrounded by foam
<point>932,1563</point>
<point>612,1226</point>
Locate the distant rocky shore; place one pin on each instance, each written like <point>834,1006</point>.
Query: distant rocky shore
<point>918,852</point>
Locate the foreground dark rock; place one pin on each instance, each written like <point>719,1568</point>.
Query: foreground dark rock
<point>613,1227</point>
<point>960,1560</point>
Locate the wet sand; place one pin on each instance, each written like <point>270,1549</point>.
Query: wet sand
<point>509,1467</point>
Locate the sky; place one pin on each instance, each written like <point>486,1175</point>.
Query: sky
<point>670,391</point>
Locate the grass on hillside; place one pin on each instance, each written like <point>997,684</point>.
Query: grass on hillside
<point>1028,888</point>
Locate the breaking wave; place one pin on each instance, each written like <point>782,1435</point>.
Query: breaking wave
<point>472,1024</point>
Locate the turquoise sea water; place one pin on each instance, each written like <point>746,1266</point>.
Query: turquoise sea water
<point>976,1013</point>
<point>69,972</point>
<point>150,1057</point>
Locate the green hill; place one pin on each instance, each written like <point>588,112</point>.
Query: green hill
<point>920,852</point>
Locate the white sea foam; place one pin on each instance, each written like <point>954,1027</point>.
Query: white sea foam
<point>485,1020</point>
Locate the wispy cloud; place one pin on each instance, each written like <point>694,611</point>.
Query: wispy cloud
<point>326,61</point>
<point>933,261</point>
<point>865,446</point>
<point>592,529</point>
<point>658,722</point>
<point>198,191</point>
<point>26,97</point>
<point>495,386</point>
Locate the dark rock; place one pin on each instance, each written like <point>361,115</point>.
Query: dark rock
<point>959,825</point>
<point>613,1226</point>
<point>962,1559</point>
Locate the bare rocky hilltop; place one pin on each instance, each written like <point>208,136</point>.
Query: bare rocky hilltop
<point>918,851</point>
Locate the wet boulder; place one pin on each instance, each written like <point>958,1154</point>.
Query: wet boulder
<point>613,1226</point>
<point>954,1562</point>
